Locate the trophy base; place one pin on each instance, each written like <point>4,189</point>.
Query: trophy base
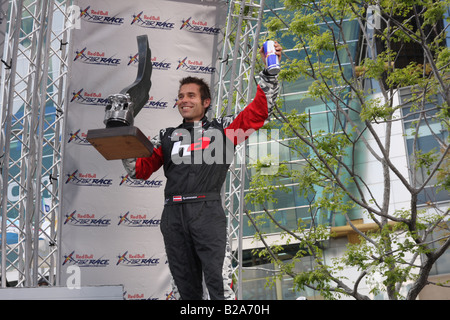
<point>120,142</point>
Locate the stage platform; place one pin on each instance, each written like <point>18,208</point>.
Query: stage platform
<point>63,293</point>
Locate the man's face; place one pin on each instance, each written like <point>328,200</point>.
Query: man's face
<point>190,103</point>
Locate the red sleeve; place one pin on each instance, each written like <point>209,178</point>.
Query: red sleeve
<point>146,166</point>
<point>250,119</point>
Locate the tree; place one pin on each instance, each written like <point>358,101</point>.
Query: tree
<point>359,89</point>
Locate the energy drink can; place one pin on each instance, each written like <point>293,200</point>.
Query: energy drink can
<point>272,62</point>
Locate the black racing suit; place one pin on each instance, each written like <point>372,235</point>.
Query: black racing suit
<point>196,157</point>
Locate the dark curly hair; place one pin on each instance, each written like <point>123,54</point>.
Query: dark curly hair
<point>205,92</point>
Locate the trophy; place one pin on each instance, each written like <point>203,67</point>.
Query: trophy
<point>120,139</point>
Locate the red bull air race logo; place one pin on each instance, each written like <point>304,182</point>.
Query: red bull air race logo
<point>198,26</point>
<point>156,103</point>
<point>151,21</point>
<point>194,66</point>
<point>133,60</point>
<point>126,181</point>
<point>78,137</point>
<point>100,16</point>
<point>136,260</point>
<point>160,64</point>
<point>163,65</point>
<point>138,220</point>
<point>86,220</point>
<point>95,57</point>
<point>84,260</point>
<point>89,98</point>
<point>87,179</point>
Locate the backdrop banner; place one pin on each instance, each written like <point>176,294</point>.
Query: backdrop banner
<point>110,223</point>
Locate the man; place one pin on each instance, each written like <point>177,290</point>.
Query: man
<point>196,156</point>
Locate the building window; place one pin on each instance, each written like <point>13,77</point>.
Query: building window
<point>430,132</point>
<point>442,265</point>
<point>257,271</point>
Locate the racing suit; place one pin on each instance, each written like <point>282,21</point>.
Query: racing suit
<point>196,157</point>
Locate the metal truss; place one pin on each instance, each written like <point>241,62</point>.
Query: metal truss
<point>235,90</point>
<point>34,70</point>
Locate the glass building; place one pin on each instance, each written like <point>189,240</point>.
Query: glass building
<point>291,206</point>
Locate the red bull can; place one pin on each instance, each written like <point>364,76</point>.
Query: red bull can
<point>272,62</point>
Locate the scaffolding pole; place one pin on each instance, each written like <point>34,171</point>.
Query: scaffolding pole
<point>234,92</point>
<point>32,94</point>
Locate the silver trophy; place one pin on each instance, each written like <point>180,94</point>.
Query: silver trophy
<point>121,139</point>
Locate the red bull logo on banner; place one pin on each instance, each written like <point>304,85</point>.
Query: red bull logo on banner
<point>160,65</point>
<point>86,220</point>
<point>136,183</point>
<point>136,260</point>
<point>136,296</point>
<point>87,179</point>
<point>84,260</point>
<point>133,60</point>
<point>144,20</point>
<point>156,104</point>
<point>78,137</point>
<point>171,296</point>
<point>195,66</point>
<point>198,26</point>
<point>138,220</point>
<point>95,57</point>
<point>89,98</point>
<point>102,16</point>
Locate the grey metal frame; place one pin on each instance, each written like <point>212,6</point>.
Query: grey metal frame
<point>27,84</point>
<point>235,90</point>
